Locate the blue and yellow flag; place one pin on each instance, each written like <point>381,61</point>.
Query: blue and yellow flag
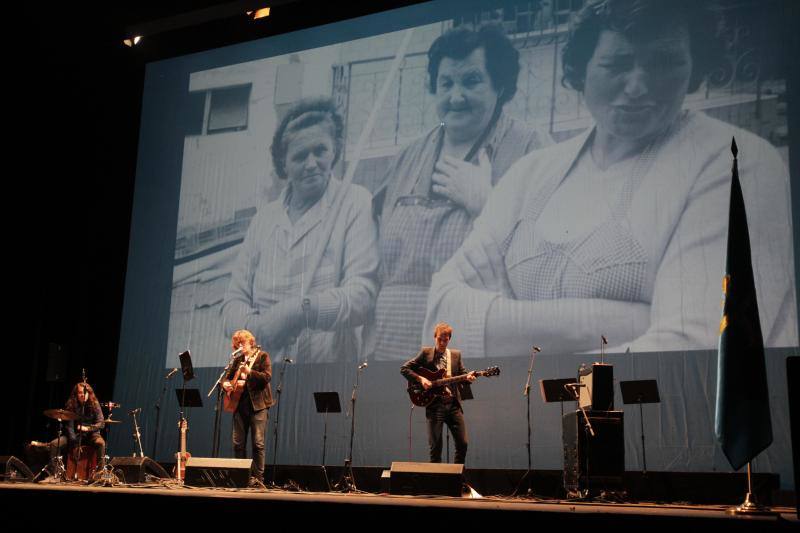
<point>743,426</point>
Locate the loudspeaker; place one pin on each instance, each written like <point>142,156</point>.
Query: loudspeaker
<point>133,469</point>
<point>597,462</point>
<point>426,478</point>
<point>597,392</point>
<point>15,470</point>
<point>793,369</point>
<point>214,472</point>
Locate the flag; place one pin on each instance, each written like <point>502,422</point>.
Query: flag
<point>743,426</point>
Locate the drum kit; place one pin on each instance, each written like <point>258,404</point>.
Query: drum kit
<point>82,460</point>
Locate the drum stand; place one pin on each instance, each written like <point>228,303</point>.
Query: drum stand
<point>104,475</point>
<point>56,464</point>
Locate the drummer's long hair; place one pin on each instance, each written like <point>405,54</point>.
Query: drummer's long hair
<point>73,404</point>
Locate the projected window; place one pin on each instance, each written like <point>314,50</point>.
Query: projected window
<point>228,109</point>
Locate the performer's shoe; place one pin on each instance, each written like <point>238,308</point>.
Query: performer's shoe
<point>255,483</point>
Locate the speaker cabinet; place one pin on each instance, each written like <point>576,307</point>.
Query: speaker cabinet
<point>14,469</point>
<point>597,391</point>
<point>426,478</point>
<point>215,472</point>
<point>135,469</point>
<point>593,462</point>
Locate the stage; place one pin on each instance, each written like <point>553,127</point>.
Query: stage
<point>167,501</point>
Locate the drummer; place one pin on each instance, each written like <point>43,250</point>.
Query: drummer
<point>85,429</point>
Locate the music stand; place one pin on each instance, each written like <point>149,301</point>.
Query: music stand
<point>326,402</point>
<point>186,365</point>
<point>556,390</point>
<point>641,391</point>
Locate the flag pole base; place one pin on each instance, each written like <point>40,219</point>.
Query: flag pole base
<point>751,507</point>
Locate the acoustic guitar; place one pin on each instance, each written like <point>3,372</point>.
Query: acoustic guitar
<point>231,400</point>
<point>182,456</point>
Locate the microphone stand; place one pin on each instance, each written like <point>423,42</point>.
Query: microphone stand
<point>158,415</point>
<point>347,483</point>
<point>277,420</point>
<point>217,411</point>
<point>526,478</point>
<point>137,436</point>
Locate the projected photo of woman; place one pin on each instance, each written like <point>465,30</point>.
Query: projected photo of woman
<point>622,229</point>
<point>436,186</point>
<point>305,276</point>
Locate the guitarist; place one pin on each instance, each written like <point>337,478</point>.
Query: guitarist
<point>251,373</point>
<point>446,408</point>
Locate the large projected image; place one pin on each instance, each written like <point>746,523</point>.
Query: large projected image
<point>612,219</point>
<point>531,173</point>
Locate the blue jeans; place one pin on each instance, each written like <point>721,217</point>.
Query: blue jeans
<point>450,413</point>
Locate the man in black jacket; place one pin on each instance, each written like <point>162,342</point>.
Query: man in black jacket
<point>252,373</point>
<point>446,407</point>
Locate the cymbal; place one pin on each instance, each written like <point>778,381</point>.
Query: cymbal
<point>61,414</point>
<point>109,421</point>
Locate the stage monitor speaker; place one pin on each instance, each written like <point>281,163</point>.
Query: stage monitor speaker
<point>136,469</point>
<point>15,470</point>
<point>215,472</point>
<point>593,462</point>
<point>597,390</point>
<point>426,478</point>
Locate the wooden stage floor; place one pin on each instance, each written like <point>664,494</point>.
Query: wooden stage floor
<point>166,501</point>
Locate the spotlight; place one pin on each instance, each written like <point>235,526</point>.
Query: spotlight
<point>258,13</point>
<point>132,41</point>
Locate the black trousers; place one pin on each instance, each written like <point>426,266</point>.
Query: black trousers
<point>255,422</point>
<point>450,413</point>
<point>90,439</point>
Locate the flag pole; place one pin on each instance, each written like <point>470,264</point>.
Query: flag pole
<point>744,429</point>
<point>750,506</point>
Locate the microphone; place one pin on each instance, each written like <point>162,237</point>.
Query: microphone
<point>537,349</point>
<point>135,411</point>
<point>171,373</point>
<point>605,341</point>
<point>362,365</point>
<point>287,360</point>
<point>238,351</point>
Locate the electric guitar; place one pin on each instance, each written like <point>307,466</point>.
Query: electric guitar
<point>182,456</point>
<point>422,398</point>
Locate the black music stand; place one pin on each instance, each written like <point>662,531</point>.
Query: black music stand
<point>186,365</point>
<point>326,402</point>
<point>642,391</point>
<point>556,390</point>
